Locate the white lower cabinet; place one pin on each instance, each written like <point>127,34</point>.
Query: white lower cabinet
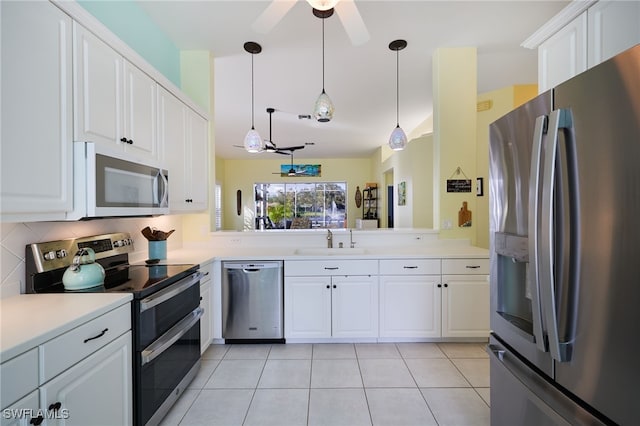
<point>465,306</point>
<point>206,303</point>
<point>410,306</point>
<point>23,412</point>
<point>465,298</point>
<point>331,306</point>
<point>80,377</point>
<point>97,390</point>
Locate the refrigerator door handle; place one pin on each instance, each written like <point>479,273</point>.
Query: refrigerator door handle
<point>557,119</point>
<point>534,223</point>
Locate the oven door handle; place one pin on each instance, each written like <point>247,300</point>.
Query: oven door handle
<point>172,335</point>
<point>169,292</point>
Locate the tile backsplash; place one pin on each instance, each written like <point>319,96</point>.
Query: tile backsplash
<point>15,236</point>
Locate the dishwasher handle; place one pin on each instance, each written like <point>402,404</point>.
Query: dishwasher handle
<point>252,267</point>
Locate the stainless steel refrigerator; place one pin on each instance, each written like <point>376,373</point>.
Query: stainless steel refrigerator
<point>564,192</point>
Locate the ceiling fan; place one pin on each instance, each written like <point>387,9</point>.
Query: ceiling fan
<point>270,146</point>
<point>346,9</point>
<point>292,170</point>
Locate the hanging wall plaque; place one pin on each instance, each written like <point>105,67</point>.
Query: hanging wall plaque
<point>458,185</point>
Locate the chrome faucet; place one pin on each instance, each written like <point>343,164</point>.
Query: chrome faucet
<point>329,239</point>
<point>352,243</point>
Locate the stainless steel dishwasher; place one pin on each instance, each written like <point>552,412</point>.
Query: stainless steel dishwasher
<point>252,301</point>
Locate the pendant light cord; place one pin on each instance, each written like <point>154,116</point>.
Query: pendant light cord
<point>398,88</point>
<point>252,105</point>
<point>323,55</point>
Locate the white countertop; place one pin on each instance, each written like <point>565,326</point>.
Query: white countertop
<point>202,255</point>
<point>28,320</point>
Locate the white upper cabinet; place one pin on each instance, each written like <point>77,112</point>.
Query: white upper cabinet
<point>36,112</point>
<point>184,138</point>
<point>614,26</point>
<point>115,102</point>
<point>563,55</point>
<point>583,35</point>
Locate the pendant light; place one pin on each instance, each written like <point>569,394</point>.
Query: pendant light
<point>398,139</point>
<point>323,108</point>
<point>252,141</point>
<point>322,4</point>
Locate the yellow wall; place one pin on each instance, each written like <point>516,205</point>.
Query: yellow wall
<point>502,101</point>
<point>413,165</point>
<point>243,174</point>
<point>454,124</point>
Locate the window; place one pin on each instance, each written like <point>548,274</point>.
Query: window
<point>300,205</point>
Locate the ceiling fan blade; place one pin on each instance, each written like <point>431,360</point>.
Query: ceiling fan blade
<point>281,152</point>
<point>291,148</point>
<point>352,22</point>
<point>272,15</point>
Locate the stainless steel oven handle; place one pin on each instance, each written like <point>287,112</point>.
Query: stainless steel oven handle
<point>165,341</point>
<point>169,292</point>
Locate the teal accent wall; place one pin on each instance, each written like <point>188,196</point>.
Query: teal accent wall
<point>129,22</point>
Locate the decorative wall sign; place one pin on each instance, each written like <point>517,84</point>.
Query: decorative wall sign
<point>305,170</point>
<point>458,185</point>
<point>402,193</point>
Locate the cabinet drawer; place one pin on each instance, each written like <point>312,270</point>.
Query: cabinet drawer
<point>19,376</point>
<point>60,353</point>
<point>330,267</point>
<point>465,266</point>
<point>410,267</point>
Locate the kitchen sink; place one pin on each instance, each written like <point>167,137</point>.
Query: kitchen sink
<point>345,251</point>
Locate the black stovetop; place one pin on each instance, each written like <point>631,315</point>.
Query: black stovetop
<point>141,280</point>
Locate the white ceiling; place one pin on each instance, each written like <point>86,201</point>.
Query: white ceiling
<point>359,79</point>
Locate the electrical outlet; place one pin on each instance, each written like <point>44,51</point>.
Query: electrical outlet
<point>234,241</point>
<point>447,224</point>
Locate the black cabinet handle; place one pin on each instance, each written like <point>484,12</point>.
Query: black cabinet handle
<point>328,286</point>
<point>55,407</point>
<point>37,420</point>
<point>446,285</point>
<point>125,140</point>
<point>472,266</point>
<point>96,337</point>
<point>334,286</point>
<point>332,268</point>
<point>410,267</point>
<point>439,285</point>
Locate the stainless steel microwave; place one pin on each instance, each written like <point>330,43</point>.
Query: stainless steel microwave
<point>107,183</point>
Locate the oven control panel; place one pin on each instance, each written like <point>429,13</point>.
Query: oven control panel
<point>52,255</point>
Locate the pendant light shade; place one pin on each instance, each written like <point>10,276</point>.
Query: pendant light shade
<point>323,109</point>
<point>252,141</point>
<point>322,4</point>
<point>398,138</point>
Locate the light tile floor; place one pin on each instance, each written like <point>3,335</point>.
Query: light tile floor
<point>411,384</point>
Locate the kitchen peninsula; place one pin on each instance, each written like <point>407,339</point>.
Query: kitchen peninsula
<point>394,285</point>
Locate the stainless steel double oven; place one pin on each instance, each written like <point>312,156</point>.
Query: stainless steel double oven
<point>165,314</point>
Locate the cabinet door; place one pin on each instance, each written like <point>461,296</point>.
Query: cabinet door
<point>410,306</point>
<point>173,144</point>
<point>354,306</point>
<point>307,307</point>
<point>465,306</point>
<point>197,166</point>
<point>36,111</point>
<point>96,390</point>
<point>98,114</point>
<point>22,412</point>
<point>563,55</point>
<point>614,26</point>
<point>206,324</point>
<point>140,103</point>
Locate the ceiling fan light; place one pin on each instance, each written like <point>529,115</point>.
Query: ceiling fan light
<point>323,109</point>
<point>398,139</point>
<point>322,4</point>
<point>253,141</point>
